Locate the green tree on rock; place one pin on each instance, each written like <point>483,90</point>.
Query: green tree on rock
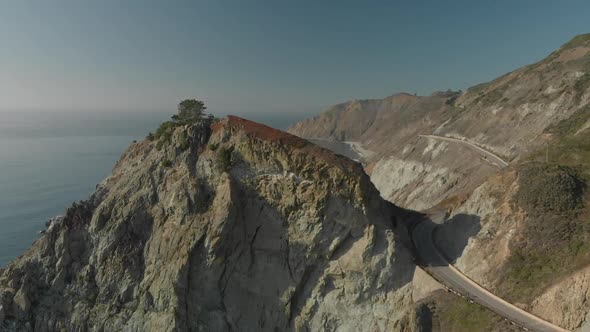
<point>190,109</point>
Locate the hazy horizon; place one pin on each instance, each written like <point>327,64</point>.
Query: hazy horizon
<point>258,57</point>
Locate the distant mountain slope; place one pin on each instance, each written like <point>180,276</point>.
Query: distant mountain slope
<point>523,230</point>
<point>528,237</point>
<point>506,116</point>
<point>361,120</point>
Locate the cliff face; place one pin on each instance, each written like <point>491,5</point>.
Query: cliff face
<point>525,232</point>
<point>521,231</point>
<point>506,116</point>
<point>231,227</point>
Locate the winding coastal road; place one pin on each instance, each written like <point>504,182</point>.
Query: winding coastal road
<point>489,156</point>
<point>437,266</point>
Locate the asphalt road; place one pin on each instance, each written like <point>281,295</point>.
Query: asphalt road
<point>489,156</point>
<point>436,265</point>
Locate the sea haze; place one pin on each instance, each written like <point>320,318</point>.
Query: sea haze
<point>49,159</point>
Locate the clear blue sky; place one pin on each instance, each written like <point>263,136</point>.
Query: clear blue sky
<point>266,56</point>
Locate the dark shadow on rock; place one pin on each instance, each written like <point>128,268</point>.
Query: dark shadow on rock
<point>453,235</point>
<point>442,242</point>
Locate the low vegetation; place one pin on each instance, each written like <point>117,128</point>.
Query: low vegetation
<point>556,239</point>
<point>582,85</point>
<point>452,99</point>
<point>190,111</point>
<point>577,41</point>
<point>461,315</point>
<point>571,125</point>
<point>164,133</point>
<point>224,159</point>
<point>213,146</point>
<point>547,188</point>
<point>444,311</point>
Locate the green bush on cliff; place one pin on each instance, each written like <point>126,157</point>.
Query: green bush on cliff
<point>224,159</point>
<point>571,125</point>
<point>549,188</point>
<point>190,111</point>
<point>555,240</point>
<point>164,133</point>
<point>581,85</point>
<point>183,143</point>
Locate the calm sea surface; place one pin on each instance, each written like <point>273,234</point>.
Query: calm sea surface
<point>50,159</point>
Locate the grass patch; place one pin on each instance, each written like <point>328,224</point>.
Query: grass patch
<point>577,41</point>
<point>571,125</point>
<point>539,263</point>
<point>581,86</point>
<point>460,315</point>
<point>570,148</point>
<point>555,241</point>
<point>547,188</point>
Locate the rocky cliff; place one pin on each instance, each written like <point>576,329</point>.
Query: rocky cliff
<point>234,226</point>
<point>520,230</point>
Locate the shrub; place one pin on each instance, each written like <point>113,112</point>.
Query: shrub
<point>213,146</point>
<point>184,143</point>
<point>224,160</point>
<point>164,133</point>
<point>582,85</point>
<point>572,124</point>
<point>166,163</point>
<point>150,136</point>
<point>165,129</point>
<point>544,187</point>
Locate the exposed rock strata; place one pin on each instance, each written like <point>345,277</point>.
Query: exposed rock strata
<point>292,237</point>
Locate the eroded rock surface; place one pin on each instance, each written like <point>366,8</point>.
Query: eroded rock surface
<point>236,226</point>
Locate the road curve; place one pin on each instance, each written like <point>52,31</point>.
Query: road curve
<point>437,266</point>
<point>491,157</point>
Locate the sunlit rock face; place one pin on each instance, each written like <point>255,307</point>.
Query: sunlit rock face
<point>233,226</point>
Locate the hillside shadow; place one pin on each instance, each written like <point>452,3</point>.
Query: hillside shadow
<point>452,236</point>
<point>443,242</point>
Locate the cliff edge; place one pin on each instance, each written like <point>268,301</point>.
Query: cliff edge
<point>229,226</point>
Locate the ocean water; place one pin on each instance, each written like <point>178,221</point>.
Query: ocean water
<point>49,159</point>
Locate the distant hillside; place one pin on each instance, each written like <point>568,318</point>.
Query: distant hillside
<point>506,116</point>
<point>522,230</point>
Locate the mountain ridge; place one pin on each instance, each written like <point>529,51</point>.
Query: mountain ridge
<point>520,230</point>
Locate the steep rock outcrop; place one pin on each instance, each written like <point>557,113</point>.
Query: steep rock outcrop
<point>234,226</point>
